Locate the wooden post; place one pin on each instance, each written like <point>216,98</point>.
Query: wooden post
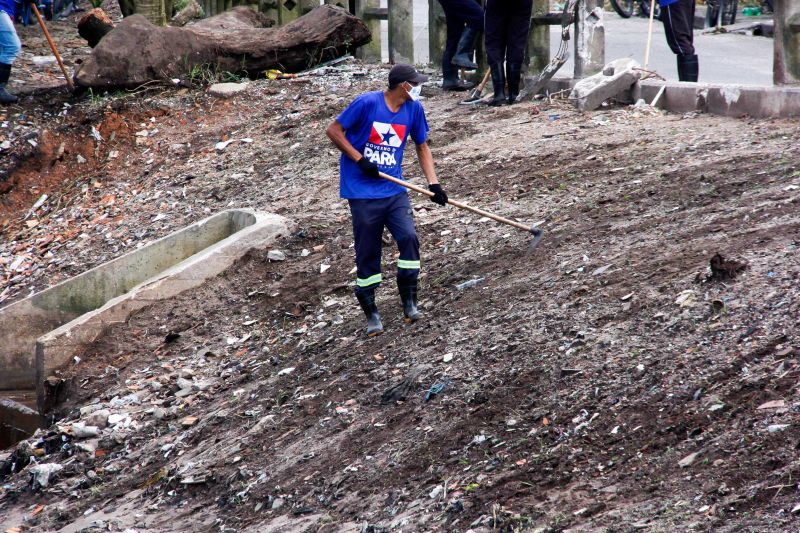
<point>364,10</point>
<point>270,9</point>
<point>590,55</point>
<point>288,10</point>
<point>401,31</point>
<point>786,64</point>
<point>307,5</point>
<point>538,53</point>
<point>437,32</point>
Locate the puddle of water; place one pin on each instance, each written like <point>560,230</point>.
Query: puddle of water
<point>18,416</point>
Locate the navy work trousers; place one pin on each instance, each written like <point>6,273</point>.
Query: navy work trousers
<point>678,21</point>
<point>506,32</point>
<point>458,13</point>
<point>370,216</point>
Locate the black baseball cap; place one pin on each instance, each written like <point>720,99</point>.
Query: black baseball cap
<point>401,73</point>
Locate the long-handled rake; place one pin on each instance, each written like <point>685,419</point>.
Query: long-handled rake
<point>536,232</point>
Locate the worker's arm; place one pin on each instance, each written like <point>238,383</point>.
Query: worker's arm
<point>426,162</point>
<point>425,158</point>
<point>335,133</point>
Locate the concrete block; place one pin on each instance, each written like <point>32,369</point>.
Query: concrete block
<point>615,78</point>
<point>226,90</point>
<point>62,320</point>
<point>727,100</point>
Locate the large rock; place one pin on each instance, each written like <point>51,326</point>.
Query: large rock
<point>239,40</point>
<point>616,78</point>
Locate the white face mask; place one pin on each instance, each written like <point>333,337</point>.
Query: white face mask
<point>415,92</point>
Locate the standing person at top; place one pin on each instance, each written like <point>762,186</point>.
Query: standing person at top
<point>678,19</point>
<point>371,134</point>
<point>464,22</point>
<point>9,48</point>
<point>506,32</point>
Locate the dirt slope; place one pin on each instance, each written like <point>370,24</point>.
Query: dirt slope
<point>601,384</point>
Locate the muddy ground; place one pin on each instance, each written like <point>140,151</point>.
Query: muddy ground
<point>604,383</point>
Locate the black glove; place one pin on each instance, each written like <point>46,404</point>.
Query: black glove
<point>368,167</point>
<point>439,196</point>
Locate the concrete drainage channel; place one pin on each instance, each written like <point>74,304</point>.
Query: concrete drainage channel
<point>47,330</point>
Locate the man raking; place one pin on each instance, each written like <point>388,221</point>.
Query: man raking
<point>371,134</point>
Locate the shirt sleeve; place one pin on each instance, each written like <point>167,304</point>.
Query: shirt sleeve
<point>353,115</point>
<point>419,128</point>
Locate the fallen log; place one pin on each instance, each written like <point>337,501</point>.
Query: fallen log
<point>94,25</point>
<point>239,41</point>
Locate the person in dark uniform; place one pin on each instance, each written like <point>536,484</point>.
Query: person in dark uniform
<point>371,134</point>
<point>678,19</point>
<point>464,22</point>
<point>506,29</point>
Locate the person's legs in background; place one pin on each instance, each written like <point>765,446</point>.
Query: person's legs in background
<point>455,28</point>
<point>519,25</point>
<point>678,19</point>
<point>495,28</point>
<point>9,48</point>
<point>472,14</point>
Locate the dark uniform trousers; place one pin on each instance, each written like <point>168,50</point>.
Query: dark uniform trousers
<point>370,216</point>
<point>507,24</point>
<point>458,13</point>
<point>678,21</point>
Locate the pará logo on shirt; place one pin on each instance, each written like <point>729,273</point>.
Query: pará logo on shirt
<point>383,142</point>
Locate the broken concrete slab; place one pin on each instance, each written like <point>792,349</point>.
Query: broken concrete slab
<point>67,316</point>
<point>616,77</point>
<point>226,90</point>
<point>716,99</point>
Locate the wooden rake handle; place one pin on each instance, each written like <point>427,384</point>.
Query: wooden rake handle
<point>484,81</point>
<point>460,205</point>
<point>52,46</point>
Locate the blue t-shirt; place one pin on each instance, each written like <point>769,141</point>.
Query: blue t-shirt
<point>665,3</point>
<point>381,136</point>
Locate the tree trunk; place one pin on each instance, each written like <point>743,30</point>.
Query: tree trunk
<point>94,25</point>
<point>238,40</point>
<point>153,11</point>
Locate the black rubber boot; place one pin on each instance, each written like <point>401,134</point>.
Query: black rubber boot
<point>688,68</point>
<point>465,50</point>
<point>499,84</point>
<point>408,295</point>
<point>5,96</point>
<point>366,298</point>
<point>513,73</point>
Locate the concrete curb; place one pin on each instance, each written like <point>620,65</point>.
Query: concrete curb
<point>46,330</point>
<point>726,100</point>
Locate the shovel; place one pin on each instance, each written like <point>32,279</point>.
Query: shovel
<point>52,46</point>
<point>536,232</point>
<point>475,95</point>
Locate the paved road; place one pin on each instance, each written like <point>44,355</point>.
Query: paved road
<point>724,58</point>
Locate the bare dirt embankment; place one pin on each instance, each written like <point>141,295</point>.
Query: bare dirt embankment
<point>601,384</point>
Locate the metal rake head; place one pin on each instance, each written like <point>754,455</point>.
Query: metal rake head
<point>537,237</point>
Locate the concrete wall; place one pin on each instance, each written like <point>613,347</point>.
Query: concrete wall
<point>77,310</point>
